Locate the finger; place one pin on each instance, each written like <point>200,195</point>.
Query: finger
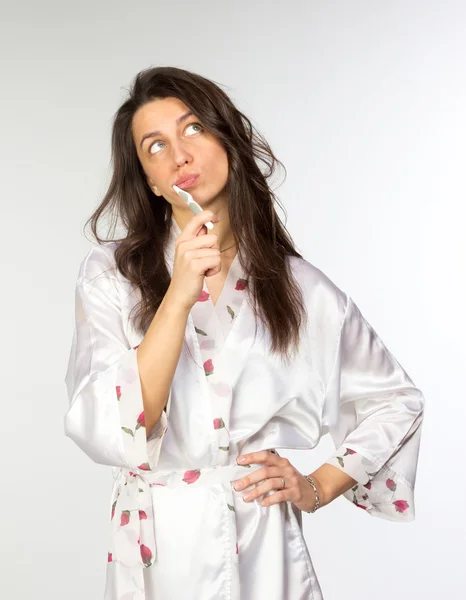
<point>274,483</point>
<point>208,241</point>
<point>259,475</point>
<point>263,456</point>
<point>196,223</point>
<point>276,498</point>
<point>211,272</point>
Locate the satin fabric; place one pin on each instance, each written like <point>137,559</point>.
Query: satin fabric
<point>178,529</point>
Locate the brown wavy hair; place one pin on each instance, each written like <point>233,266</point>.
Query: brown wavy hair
<point>262,240</point>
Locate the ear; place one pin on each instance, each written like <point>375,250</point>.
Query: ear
<point>153,187</point>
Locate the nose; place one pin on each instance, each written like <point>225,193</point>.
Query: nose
<point>181,155</point>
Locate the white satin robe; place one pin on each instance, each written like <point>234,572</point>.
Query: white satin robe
<point>178,529</point>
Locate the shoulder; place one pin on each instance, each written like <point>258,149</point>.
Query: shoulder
<point>98,264</point>
<point>320,293</point>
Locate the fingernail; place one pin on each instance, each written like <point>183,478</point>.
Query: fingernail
<point>242,459</point>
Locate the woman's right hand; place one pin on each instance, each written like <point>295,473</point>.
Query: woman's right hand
<point>197,255</point>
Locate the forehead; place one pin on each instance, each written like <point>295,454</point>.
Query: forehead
<point>160,113</point>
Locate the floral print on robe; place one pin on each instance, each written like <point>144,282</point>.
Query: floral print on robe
<point>230,396</point>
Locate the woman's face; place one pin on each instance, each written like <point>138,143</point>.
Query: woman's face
<point>170,143</point>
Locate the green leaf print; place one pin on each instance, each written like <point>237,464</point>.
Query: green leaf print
<point>231,312</point>
<point>340,460</point>
<point>232,508</point>
<point>199,331</point>
<point>224,447</point>
<point>129,431</point>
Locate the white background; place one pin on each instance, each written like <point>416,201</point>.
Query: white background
<point>365,104</point>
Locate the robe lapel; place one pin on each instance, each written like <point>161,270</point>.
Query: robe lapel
<point>210,339</point>
<point>213,324</point>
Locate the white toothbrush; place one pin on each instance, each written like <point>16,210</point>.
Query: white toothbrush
<point>192,204</point>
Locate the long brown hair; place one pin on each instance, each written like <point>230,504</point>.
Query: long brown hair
<point>262,240</point>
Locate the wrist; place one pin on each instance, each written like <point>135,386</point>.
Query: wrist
<point>317,494</point>
<point>172,304</point>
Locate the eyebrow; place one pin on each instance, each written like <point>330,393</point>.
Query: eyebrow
<point>151,134</point>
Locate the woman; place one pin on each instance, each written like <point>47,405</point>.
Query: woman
<point>197,353</point>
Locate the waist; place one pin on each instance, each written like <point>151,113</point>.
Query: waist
<point>183,477</point>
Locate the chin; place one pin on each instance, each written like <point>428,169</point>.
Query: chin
<point>205,197</point>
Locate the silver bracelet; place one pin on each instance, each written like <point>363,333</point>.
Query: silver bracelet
<point>311,481</point>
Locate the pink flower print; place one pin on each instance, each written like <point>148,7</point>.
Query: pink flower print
<point>118,391</point>
<point>400,505</point>
<point>142,515</point>
<point>208,367</point>
<point>368,485</point>
<point>191,476</point>
<point>113,510</point>
<point>140,421</point>
<point>146,555</point>
<point>110,557</point>
<point>359,505</point>
<point>241,285</point>
<point>144,467</point>
<point>135,347</point>
<point>391,484</point>
<point>203,297</point>
<point>125,515</point>
<point>340,460</point>
<point>219,424</point>
<point>236,547</point>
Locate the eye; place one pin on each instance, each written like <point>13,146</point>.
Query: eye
<point>154,145</point>
<point>199,128</point>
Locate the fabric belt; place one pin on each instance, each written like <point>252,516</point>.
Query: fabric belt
<point>132,533</point>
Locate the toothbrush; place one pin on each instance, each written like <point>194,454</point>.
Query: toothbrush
<point>192,204</point>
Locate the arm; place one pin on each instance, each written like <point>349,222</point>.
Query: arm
<point>107,394</point>
<point>158,355</point>
<point>330,483</point>
<point>374,413</point>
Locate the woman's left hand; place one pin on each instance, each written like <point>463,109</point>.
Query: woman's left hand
<point>297,488</point>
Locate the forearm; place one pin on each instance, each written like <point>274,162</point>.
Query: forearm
<point>158,356</point>
<point>331,483</point>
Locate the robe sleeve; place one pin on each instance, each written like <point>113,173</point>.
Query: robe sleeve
<point>374,414</point>
<point>106,414</point>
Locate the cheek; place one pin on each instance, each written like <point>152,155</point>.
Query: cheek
<point>157,172</point>
<point>217,161</point>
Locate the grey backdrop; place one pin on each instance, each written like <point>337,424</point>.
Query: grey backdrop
<point>365,104</point>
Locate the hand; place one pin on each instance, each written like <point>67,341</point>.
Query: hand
<point>197,255</point>
<point>297,488</point>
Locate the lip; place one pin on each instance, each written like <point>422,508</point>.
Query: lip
<point>187,181</point>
